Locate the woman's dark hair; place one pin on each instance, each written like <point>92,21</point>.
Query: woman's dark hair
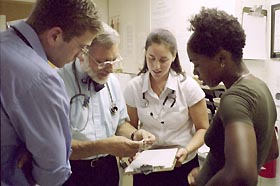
<point>162,36</point>
<point>215,30</point>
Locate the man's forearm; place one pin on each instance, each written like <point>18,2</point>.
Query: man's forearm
<point>85,149</point>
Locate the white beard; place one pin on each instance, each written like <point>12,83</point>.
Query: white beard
<point>86,68</point>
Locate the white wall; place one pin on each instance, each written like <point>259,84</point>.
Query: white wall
<point>102,7</point>
<point>134,26</point>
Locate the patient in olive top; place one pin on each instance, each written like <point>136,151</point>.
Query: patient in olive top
<point>240,135</point>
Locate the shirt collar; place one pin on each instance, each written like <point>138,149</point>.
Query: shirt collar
<point>170,83</point>
<point>29,33</point>
<point>172,80</point>
<point>146,82</point>
<point>80,71</point>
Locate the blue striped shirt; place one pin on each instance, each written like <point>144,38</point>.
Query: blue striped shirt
<point>34,112</point>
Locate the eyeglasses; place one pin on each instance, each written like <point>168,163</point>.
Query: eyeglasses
<point>104,64</point>
<point>84,49</point>
<point>85,52</point>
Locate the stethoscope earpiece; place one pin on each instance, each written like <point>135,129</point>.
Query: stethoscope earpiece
<point>172,96</point>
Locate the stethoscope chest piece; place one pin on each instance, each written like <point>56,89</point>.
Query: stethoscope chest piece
<point>114,109</point>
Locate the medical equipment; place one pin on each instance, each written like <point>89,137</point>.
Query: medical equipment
<point>172,96</point>
<point>86,99</point>
<point>145,103</point>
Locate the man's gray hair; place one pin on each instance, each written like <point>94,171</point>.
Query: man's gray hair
<point>107,38</point>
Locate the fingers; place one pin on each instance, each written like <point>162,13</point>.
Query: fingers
<point>145,145</point>
<point>193,176</point>
<point>148,137</point>
<point>23,159</point>
<point>124,147</point>
<point>191,179</point>
<point>181,156</point>
<point>178,163</point>
<point>136,144</point>
<point>130,159</point>
<point>134,147</point>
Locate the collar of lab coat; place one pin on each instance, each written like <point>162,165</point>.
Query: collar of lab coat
<point>171,82</point>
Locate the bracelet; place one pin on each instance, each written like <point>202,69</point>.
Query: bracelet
<point>132,135</point>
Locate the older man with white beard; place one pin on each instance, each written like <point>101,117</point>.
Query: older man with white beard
<point>98,115</point>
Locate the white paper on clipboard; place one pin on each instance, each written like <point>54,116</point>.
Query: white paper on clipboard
<point>157,159</point>
<point>255,30</point>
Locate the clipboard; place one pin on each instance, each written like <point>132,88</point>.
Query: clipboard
<point>254,23</point>
<point>275,31</point>
<point>255,11</point>
<point>154,160</point>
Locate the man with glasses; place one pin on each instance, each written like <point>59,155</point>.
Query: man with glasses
<point>34,103</point>
<point>98,115</point>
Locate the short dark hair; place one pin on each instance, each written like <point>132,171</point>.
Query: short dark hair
<point>162,36</point>
<point>215,30</point>
<point>74,17</point>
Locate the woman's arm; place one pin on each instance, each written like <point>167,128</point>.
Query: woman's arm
<point>198,113</point>
<point>240,157</point>
<point>132,112</point>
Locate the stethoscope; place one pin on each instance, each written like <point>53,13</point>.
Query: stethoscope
<point>145,104</point>
<point>86,99</point>
<point>172,96</point>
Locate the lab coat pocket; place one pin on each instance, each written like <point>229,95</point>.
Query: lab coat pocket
<point>176,117</point>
